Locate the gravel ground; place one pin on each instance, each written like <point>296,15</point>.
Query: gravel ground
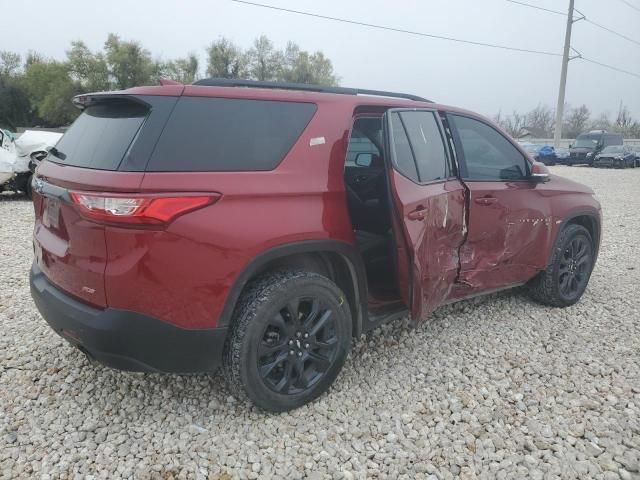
<point>497,387</point>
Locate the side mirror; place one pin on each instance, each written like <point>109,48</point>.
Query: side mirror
<point>364,159</point>
<point>539,173</point>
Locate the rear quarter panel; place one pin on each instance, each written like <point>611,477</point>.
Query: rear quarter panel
<point>183,274</point>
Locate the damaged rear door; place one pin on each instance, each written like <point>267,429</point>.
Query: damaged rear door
<point>509,216</point>
<point>429,203</point>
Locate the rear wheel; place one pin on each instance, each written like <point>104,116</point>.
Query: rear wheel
<point>566,278</point>
<point>290,338</point>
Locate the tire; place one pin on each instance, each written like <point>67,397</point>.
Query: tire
<point>278,380</point>
<point>569,264</point>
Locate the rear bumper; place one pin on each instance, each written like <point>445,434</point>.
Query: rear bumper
<point>127,340</point>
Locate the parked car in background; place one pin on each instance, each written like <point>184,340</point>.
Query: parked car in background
<point>616,156</point>
<point>541,153</point>
<point>7,157</point>
<point>589,144</point>
<point>180,228</point>
<point>20,157</point>
<point>636,152</point>
<point>562,154</point>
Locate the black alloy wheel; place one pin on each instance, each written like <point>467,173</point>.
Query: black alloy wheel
<point>298,345</point>
<point>575,267</point>
<point>289,338</point>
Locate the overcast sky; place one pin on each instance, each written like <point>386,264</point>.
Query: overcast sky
<point>478,78</point>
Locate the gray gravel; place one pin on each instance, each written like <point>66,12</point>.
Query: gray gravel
<point>497,387</point>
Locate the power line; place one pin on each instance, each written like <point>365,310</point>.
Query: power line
<point>610,67</point>
<point>429,35</point>
<point>538,8</point>
<point>595,24</point>
<point>611,31</point>
<point>630,5</point>
<point>399,30</point>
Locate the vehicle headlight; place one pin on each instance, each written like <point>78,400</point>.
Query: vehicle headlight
<point>597,157</point>
<point>590,154</point>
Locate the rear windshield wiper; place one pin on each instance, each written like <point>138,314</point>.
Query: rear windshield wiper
<point>57,153</point>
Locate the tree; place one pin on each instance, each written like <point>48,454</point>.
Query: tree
<point>9,63</point>
<point>226,60</point>
<point>513,124</point>
<point>541,119</point>
<point>15,108</point>
<point>576,122</point>
<point>183,70</point>
<point>264,61</point>
<point>89,69</point>
<point>50,90</point>
<point>602,122</point>
<point>130,65</point>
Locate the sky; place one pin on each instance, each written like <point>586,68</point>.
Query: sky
<point>477,78</point>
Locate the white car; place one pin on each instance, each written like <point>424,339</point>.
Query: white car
<point>19,157</point>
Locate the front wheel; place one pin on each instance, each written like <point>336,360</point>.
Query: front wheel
<point>564,281</point>
<point>290,337</point>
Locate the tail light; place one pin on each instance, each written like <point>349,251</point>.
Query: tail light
<point>137,209</point>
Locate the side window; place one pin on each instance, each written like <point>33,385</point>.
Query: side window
<point>428,147</point>
<point>402,155</point>
<point>362,152</point>
<point>488,155</point>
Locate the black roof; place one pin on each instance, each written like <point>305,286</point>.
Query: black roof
<point>229,82</point>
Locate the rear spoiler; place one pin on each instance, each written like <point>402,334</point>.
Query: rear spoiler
<point>85,100</point>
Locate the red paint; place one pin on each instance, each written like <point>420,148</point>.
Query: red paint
<point>182,272</point>
<point>433,223</point>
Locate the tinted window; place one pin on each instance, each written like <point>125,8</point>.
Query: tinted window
<point>426,141</point>
<point>587,140</point>
<point>488,155</point>
<point>360,140</point>
<point>402,155</point>
<point>613,149</point>
<point>612,140</point>
<point>101,135</point>
<point>220,134</point>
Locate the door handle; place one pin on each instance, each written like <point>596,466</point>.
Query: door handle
<point>418,214</point>
<point>486,200</point>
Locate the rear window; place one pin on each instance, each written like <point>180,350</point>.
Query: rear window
<point>101,135</point>
<point>219,134</point>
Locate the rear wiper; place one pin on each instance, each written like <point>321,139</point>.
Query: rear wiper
<point>57,153</point>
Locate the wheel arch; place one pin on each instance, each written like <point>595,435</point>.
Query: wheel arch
<point>587,219</point>
<point>339,261</point>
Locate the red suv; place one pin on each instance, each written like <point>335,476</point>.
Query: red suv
<point>259,226</point>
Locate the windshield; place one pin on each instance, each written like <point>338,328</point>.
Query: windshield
<point>613,149</point>
<point>587,141</point>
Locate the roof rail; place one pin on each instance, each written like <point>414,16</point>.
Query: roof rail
<point>230,82</point>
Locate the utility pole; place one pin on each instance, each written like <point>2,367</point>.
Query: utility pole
<point>563,78</point>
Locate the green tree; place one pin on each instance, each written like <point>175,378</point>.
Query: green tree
<point>226,60</point>
<point>15,108</point>
<point>9,63</point>
<point>130,65</point>
<point>183,70</point>
<point>50,89</point>
<point>89,69</point>
<point>264,61</point>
